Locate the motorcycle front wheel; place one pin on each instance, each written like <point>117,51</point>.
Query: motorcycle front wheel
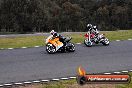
<point>50,49</point>
<point>71,47</point>
<point>88,43</point>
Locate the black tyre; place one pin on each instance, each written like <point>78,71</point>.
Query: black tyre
<point>81,80</point>
<point>63,50</point>
<point>71,47</point>
<point>50,49</point>
<point>88,43</point>
<point>105,42</point>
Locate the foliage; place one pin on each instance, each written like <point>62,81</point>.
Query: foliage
<point>64,15</point>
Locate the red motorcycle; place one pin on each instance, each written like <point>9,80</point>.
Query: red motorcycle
<point>91,38</point>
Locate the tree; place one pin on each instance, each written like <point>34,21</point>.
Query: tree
<point>64,15</point>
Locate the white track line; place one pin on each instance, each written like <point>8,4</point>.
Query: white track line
<point>130,39</point>
<point>118,40</point>
<point>36,46</point>
<point>64,78</point>
<point>78,43</point>
<point>130,70</point>
<point>2,48</point>
<point>36,81</point>
<point>27,82</point>
<point>44,80</point>
<point>72,77</point>
<point>1,85</point>
<point>10,48</point>
<point>24,47</point>
<point>7,84</point>
<point>125,71</point>
<point>117,72</point>
<point>18,83</point>
<point>107,73</point>
<point>55,79</point>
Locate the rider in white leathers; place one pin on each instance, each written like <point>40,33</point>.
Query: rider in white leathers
<point>93,30</point>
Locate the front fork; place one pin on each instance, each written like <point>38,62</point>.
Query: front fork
<point>89,39</point>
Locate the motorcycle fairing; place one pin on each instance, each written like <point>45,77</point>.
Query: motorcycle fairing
<point>91,35</point>
<point>56,43</point>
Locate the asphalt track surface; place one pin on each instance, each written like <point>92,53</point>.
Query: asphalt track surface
<point>35,63</point>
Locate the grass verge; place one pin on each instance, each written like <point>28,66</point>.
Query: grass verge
<point>30,41</point>
<point>17,42</point>
<point>125,85</point>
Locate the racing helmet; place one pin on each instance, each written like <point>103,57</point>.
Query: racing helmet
<point>89,26</point>
<point>95,27</point>
<point>52,32</point>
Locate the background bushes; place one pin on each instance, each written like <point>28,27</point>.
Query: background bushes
<point>64,15</point>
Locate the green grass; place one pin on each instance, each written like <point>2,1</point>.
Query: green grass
<point>111,35</point>
<point>125,85</point>
<point>60,84</point>
<point>121,35</point>
<point>8,33</point>
<point>17,42</point>
<point>30,41</point>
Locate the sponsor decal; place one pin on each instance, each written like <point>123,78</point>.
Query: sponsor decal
<point>83,78</point>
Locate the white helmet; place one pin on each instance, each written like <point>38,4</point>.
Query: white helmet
<point>89,25</point>
<point>95,27</point>
<point>52,32</point>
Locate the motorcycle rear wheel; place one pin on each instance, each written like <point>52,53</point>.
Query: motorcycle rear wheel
<point>105,42</point>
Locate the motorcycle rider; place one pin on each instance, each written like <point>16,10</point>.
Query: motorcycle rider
<point>93,30</point>
<point>57,35</point>
<point>89,27</point>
